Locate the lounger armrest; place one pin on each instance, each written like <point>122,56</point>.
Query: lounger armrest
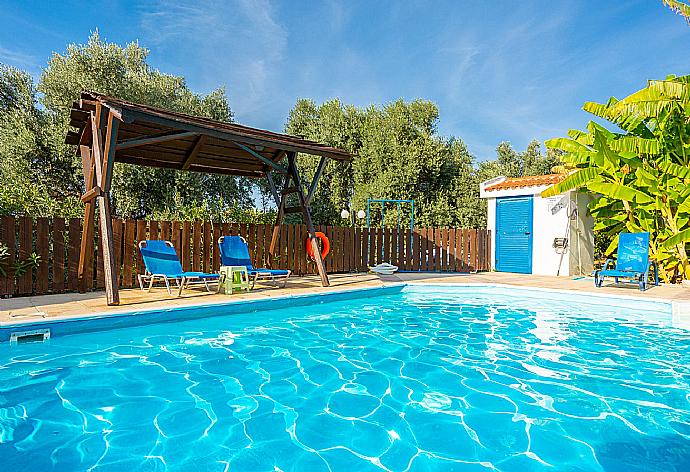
<point>604,267</point>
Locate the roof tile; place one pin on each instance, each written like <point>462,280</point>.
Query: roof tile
<point>523,182</point>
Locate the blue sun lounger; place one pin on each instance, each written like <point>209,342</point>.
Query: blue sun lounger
<point>633,262</point>
<point>235,252</point>
<point>162,263</point>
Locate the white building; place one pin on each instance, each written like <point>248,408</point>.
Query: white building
<point>535,235</point>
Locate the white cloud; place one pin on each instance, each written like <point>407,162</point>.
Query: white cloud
<point>17,58</point>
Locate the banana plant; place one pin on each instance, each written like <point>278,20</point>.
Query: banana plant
<point>682,7</point>
<point>640,172</point>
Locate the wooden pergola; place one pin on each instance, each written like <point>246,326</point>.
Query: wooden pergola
<point>112,130</point>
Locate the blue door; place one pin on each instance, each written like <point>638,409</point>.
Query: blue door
<point>514,234</point>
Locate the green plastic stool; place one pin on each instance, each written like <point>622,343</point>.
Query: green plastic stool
<point>233,278</point>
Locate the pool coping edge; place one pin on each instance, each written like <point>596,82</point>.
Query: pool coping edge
<point>680,310</point>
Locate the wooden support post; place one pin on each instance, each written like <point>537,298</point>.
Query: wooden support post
<point>84,270</point>
<point>105,157</point>
<point>110,272</point>
<point>280,203</point>
<point>294,173</point>
<point>276,226</point>
<point>97,164</point>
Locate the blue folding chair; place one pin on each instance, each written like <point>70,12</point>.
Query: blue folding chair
<point>162,263</point>
<point>632,263</point>
<point>235,252</point>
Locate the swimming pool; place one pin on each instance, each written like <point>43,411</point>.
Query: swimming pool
<point>403,378</point>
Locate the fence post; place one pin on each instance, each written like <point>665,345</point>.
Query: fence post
<point>185,244</point>
<point>58,259</point>
<point>128,254</point>
<point>25,248</point>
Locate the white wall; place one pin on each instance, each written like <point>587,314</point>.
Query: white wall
<point>491,225</point>
<point>551,220</point>
<point>581,236</point>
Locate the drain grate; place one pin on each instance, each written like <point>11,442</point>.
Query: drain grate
<point>36,336</point>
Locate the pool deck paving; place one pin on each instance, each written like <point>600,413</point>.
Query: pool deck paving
<point>43,308</point>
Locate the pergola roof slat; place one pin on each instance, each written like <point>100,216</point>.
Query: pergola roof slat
<point>147,133</point>
<point>181,152</point>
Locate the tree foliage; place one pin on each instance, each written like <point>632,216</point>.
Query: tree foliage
<point>399,155</point>
<point>640,174</point>
<point>34,126</point>
<point>33,180</point>
<point>511,163</point>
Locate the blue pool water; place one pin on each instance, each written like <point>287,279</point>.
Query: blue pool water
<point>418,378</point>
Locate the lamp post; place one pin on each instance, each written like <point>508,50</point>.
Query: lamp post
<point>347,215</point>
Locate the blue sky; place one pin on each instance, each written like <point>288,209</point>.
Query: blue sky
<point>498,71</point>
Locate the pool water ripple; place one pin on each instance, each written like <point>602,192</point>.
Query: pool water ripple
<point>427,378</point>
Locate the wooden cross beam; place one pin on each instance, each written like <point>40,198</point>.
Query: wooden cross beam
<point>265,160</point>
<point>155,139</point>
<point>272,186</point>
<point>315,180</point>
<point>91,194</point>
<point>198,144</point>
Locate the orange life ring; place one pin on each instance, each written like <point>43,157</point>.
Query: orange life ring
<point>325,243</point>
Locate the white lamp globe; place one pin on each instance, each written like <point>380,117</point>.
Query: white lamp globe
<point>361,214</point>
<point>344,214</point>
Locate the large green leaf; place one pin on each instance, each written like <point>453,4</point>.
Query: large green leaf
<point>577,179</point>
<point>604,223</point>
<point>684,207</point>
<point>680,7</point>
<point>612,247</point>
<point>635,144</point>
<point>622,117</point>
<point>652,101</point>
<point>576,159</point>
<point>598,109</point>
<point>608,158</point>
<point>595,128</point>
<point>647,108</point>
<point>620,192</point>
<point>606,202</point>
<point>671,89</point>
<point>675,169</point>
<point>567,145</point>
<point>581,137</point>
<point>678,238</point>
<point>608,212</point>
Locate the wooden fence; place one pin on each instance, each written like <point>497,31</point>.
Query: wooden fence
<point>57,242</point>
